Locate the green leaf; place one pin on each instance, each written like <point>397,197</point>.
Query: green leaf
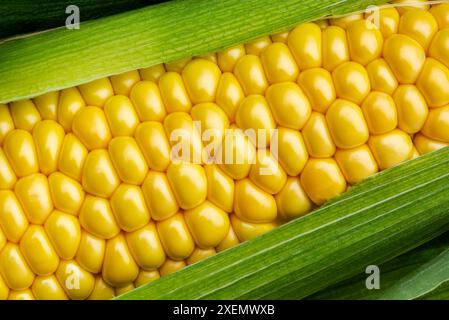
<point>439,293</point>
<point>29,15</point>
<point>421,281</point>
<point>375,221</point>
<point>392,274</point>
<point>166,32</point>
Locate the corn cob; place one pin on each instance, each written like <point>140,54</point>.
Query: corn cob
<point>94,201</point>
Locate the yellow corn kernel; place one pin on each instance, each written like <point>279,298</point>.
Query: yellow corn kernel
<point>253,204</point>
<point>200,254</point>
<point>97,218</point>
<point>405,57</point>
<point>256,46</point>
<point>415,153</point>
<point>249,72</point>
<point>317,85</point>
<point>90,253</point>
<point>2,240</point>
<point>188,182</point>
<point>279,63</point>
<point>322,180</point>
<point>227,58</point>
<point>101,291</point>
<point>21,295</point>
<point>335,47</point>
<point>174,93</point>
<point>201,79</point>
<point>77,283</point>
<point>33,193</point>
<point>280,37</point>
<point>229,241</point>
<point>12,218</point>
<point>364,41</point>
<point>25,114</point>
<point>64,232</point>
<point>70,102</point>
<point>414,4</point>
<point>119,267</point>
<point>91,127</point>
<point>356,164</point>
<point>380,112</point>
<point>437,124</point>
<point>47,104</point>
<point>441,13</point>
<point>411,107</point>
<point>292,151</point>
<point>124,289</point>
<point>72,156</point>
<point>7,176</point>
<point>159,196</point>
<point>304,42</point>
<point>351,82</point>
<point>317,137</point>
<point>388,21</point>
<point>171,266</point>
<point>214,122</point>
<point>129,207</point>
<point>177,66</point>
<point>237,154</point>
<point>4,290</point>
<point>267,173</point>
<point>121,116</point>
<point>292,201</point>
<point>154,144</point>
<point>67,194</point>
<point>229,94</point>
<point>344,21</point>
<point>146,247</point>
<point>145,277</point>
<point>381,77</point>
<point>212,57</point>
<point>48,138</point>
<point>6,122</point>
<point>21,152</point>
<point>254,113</point>
<point>96,92</point>
<point>128,160</point>
<point>208,224</point>
<point>246,230</point>
<point>147,100</point>
<point>48,288</point>
<point>14,269</point>
<point>184,137</point>
<point>425,145</point>
<point>99,177</point>
<point>391,148</point>
<point>38,251</point>
<point>347,124</point>
<point>289,105</point>
<point>175,237</point>
<point>122,83</point>
<point>439,47</point>
<point>419,25</point>
<point>220,188</point>
<point>433,82</point>
<point>152,73</point>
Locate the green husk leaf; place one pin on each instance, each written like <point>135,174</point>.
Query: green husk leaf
<point>394,274</point>
<point>439,293</point>
<point>375,221</point>
<point>165,32</point>
<point>22,16</point>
